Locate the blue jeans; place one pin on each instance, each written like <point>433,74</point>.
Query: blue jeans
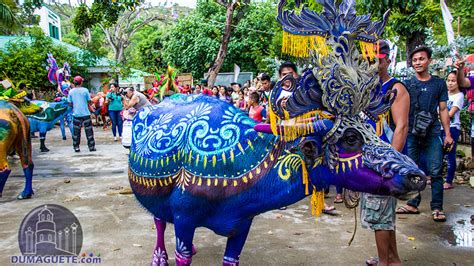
<point>431,148</point>
<point>116,122</point>
<point>452,154</point>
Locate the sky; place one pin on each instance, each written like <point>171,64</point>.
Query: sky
<point>188,3</point>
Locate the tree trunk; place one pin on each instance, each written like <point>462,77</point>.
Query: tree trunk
<point>412,42</point>
<point>216,66</point>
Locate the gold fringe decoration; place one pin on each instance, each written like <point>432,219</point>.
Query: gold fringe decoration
<point>317,202</point>
<point>379,124</point>
<point>288,127</point>
<point>369,50</point>
<point>305,177</point>
<point>301,46</point>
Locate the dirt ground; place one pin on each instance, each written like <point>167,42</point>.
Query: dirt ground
<point>118,228</point>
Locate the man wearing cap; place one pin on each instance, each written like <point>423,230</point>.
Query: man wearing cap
<point>79,98</point>
<point>394,125</point>
<point>428,94</point>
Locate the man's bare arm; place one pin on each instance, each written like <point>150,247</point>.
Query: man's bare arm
<point>444,115</point>
<point>400,110</point>
<point>461,78</point>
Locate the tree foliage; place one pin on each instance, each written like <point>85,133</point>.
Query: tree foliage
<point>105,12</point>
<point>192,44</point>
<point>14,16</point>
<point>25,59</point>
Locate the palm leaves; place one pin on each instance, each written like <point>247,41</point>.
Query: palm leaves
<point>7,17</point>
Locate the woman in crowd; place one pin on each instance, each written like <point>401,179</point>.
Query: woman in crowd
<point>215,91</point>
<point>114,100</point>
<point>455,104</point>
<point>246,94</point>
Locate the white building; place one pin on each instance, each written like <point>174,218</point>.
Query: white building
<point>50,22</point>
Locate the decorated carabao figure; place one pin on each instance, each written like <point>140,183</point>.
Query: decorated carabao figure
<point>15,137</point>
<point>44,121</point>
<point>196,161</point>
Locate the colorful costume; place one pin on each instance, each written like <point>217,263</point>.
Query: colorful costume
<point>197,161</point>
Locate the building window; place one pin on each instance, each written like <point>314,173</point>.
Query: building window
<point>53,31</point>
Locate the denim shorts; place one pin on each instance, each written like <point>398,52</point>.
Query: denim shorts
<point>377,212</point>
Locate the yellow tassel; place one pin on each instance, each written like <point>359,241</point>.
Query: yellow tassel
<point>305,177</point>
<point>379,124</point>
<point>369,50</point>
<point>317,202</point>
<point>301,46</point>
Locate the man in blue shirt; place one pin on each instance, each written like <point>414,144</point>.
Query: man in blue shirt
<point>427,95</point>
<point>79,99</point>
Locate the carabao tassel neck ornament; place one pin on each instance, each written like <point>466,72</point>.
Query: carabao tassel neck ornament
<point>317,202</point>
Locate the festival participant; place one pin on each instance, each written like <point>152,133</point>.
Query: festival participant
<point>134,99</point>
<point>197,89</point>
<point>215,91</point>
<point>381,219</point>
<point>287,68</point>
<point>186,89</point>
<point>427,94</point>
<point>455,104</point>
<point>266,86</point>
<point>151,92</point>
<point>256,111</point>
<point>204,89</point>
<point>246,94</point>
<point>228,95</point>
<point>222,95</point>
<point>115,106</point>
<point>241,103</point>
<point>79,98</point>
<point>467,82</point>
<point>236,88</point>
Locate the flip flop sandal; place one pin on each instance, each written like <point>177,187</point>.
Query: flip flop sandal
<point>372,261</point>
<point>447,186</point>
<point>436,216</point>
<point>330,211</point>
<point>405,210</point>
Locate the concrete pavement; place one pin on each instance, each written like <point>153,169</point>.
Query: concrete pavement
<point>118,228</point>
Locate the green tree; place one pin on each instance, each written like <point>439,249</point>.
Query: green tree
<point>409,18</point>
<point>146,49</point>
<point>191,45</point>
<point>235,10</point>
<point>25,59</point>
<point>7,16</point>
<point>118,20</point>
<point>14,16</point>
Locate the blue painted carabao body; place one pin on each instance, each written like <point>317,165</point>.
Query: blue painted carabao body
<point>196,161</point>
<point>208,160</point>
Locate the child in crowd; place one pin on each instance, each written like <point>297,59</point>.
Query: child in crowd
<point>455,104</point>
<point>256,111</point>
<point>241,103</point>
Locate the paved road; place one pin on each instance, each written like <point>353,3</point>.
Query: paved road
<point>118,228</point>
